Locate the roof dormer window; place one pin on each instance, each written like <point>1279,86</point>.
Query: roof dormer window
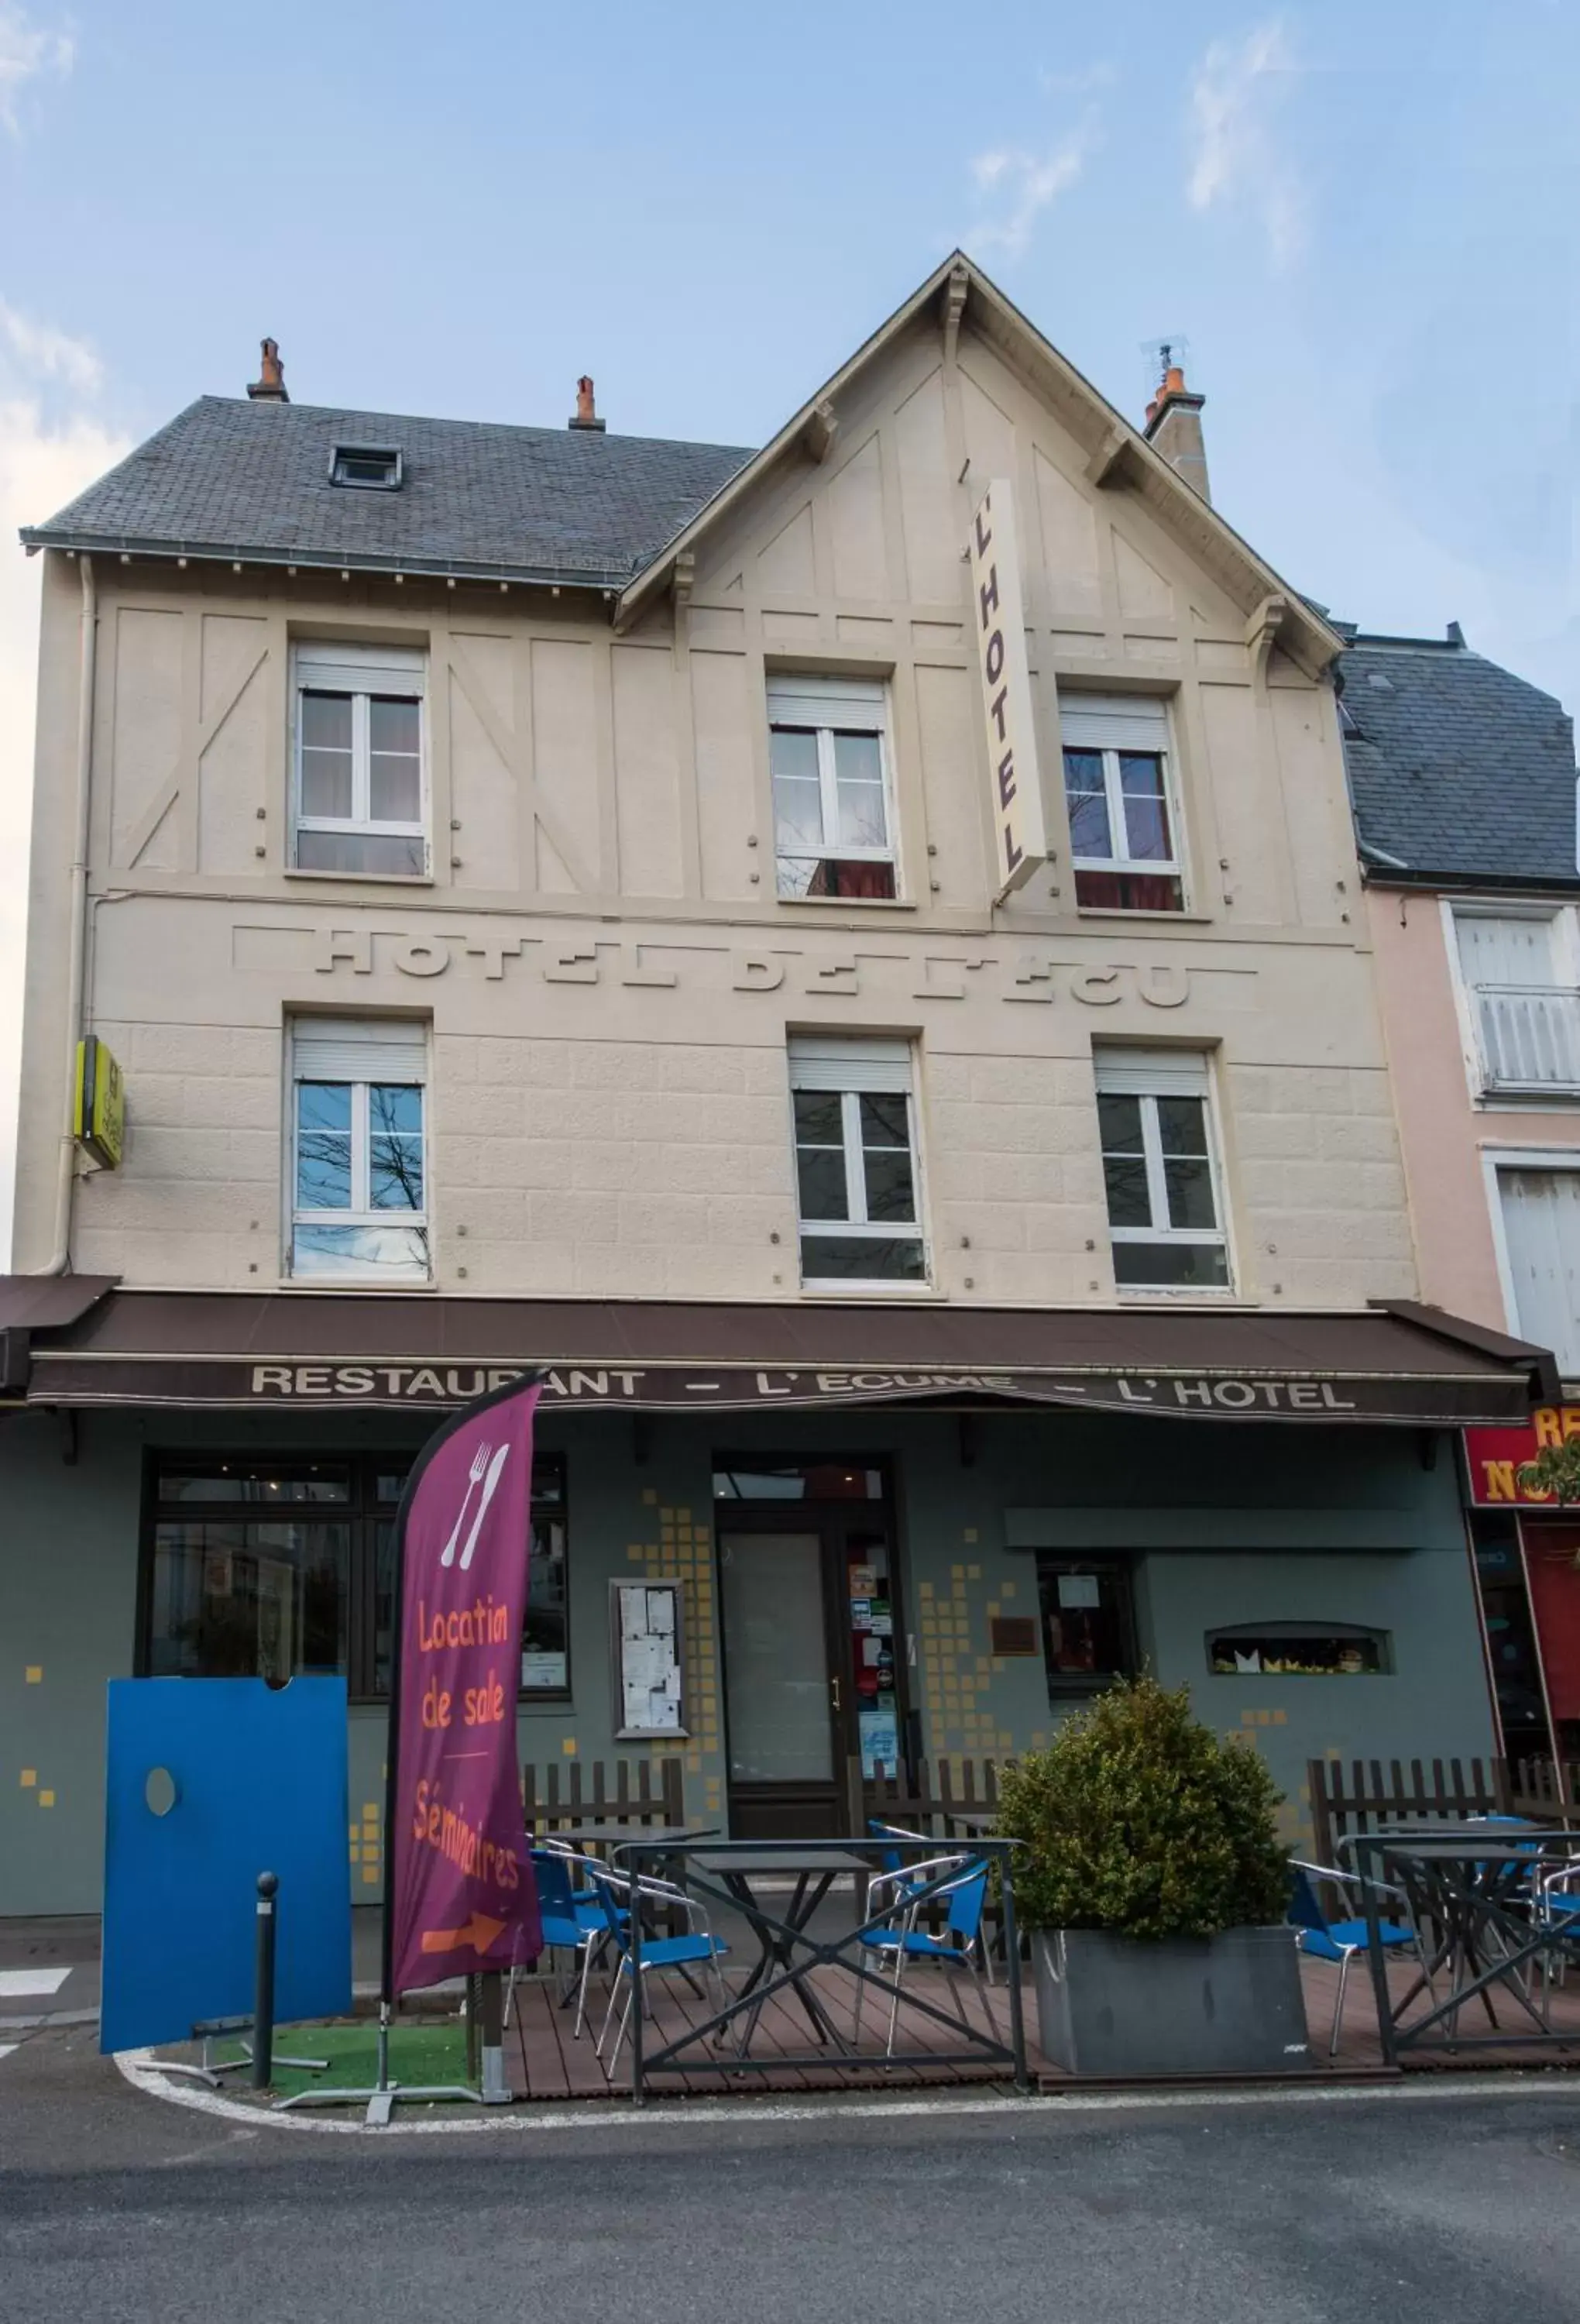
<point>371,468</point>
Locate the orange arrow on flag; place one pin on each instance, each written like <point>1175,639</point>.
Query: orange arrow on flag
<point>478,1935</point>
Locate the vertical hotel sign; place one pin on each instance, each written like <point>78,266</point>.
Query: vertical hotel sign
<point>1020,840</point>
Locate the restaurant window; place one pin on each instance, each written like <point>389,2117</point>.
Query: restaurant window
<point>359,1150</point>
<point>360,788</point>
<point>1124,822</point>
<point>1087,1623</point>
<point>833,817</point>
<point>1298,1650</point>
<point>857,1175</point>
<point>277,1569</point>
<point>758,1480</point>
<point>1160,1171</point>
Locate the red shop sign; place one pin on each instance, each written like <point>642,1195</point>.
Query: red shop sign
<point>1493,1456</point>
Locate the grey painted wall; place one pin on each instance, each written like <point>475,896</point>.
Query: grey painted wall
<point>69,1562</point>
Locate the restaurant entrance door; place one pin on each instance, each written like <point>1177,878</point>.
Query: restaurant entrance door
<point>812,1660</point>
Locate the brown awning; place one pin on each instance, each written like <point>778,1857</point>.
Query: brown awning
<point>304,1351</point>
<point>37,1303</point>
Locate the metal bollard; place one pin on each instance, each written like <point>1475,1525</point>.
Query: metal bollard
<point>496,2089</point>
<point>264,2006</point>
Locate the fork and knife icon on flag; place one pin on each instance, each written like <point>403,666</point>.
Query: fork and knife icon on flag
<point>484,1471</point>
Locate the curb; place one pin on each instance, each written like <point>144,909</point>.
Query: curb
<point>52,2017</point>
<point>140,2070</point>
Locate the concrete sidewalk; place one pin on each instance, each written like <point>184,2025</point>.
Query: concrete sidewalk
<point>49,1969</point>
<point>49,1972</point>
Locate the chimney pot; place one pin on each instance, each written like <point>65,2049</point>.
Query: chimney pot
<point>269,387</point>
<point>586,414</point>
<point>1173,426</point>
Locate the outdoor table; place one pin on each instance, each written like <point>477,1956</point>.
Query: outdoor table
<point>814,1870</point>
<point>1469,1890</point>
<point>791,1953</point>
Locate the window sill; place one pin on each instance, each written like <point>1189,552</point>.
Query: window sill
<point>848,903</point>
<point>365,878</point>
<point>1562,1097</point>
<point>358,1283</point>
<point>842,1294</point>
<point>1166,920</point>
<point>1157,1295</point>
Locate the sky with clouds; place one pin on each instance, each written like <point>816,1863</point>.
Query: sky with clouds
<point>1359,216</point>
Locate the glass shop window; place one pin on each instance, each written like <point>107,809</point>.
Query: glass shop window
<point>260,1570</point>
<point>1087,1618</point>
<point>757,1480</point>
<point>1298,1650</point>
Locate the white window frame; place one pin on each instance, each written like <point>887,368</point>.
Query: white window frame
<point>852,1069</point>
<point>1147,1074</point>
<point>1564,922</point>
<point>831,706</point>
<point>1495,1159</point>
<point>361,672</point>
<point>1112,724</point>
<point>360,1053</point>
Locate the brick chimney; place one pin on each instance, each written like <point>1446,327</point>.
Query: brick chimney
<point>586,415</point>
<point>269,387</point>
<point>1173,426</point>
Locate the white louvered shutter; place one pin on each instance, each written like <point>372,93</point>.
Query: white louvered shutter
<point>1527,1021</point>
<point>1541,1231</point>
<point>820,1061</point>
<point>358,1049</point>
<point>1113,721</point>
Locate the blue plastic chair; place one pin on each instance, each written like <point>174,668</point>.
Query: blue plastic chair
<point>699,1948</point>
<point>571,1924</point>
<point>960,1947</point>
<point>1336,1941</point>
<point>1557,1905</point>
<point>898,1867</point>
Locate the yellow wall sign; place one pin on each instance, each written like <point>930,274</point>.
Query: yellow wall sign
<point>99,1116</point>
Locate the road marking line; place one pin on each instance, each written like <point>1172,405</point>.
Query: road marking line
<point>24,1984</point>
<point>141,2070</point>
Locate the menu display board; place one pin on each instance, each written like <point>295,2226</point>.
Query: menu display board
<point>647,1638</point>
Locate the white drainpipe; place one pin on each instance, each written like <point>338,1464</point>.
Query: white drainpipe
<point>58,1262</point>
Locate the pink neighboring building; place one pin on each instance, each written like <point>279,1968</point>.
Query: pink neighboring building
<point>1463,784</point>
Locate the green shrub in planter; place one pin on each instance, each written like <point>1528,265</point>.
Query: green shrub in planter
<point>1138,1819</point>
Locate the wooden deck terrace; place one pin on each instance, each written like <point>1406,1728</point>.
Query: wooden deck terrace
<point>546,2063</point>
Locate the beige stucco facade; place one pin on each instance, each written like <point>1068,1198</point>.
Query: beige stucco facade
<point>608,974</point>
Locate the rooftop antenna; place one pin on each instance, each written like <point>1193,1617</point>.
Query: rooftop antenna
<point>1157,355</point>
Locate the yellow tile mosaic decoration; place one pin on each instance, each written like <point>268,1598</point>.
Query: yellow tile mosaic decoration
<point>684,1551</point>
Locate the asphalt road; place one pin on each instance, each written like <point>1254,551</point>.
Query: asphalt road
<point>1459,2211</point>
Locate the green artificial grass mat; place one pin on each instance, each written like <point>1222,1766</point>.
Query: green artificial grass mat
<point>418,2055</point>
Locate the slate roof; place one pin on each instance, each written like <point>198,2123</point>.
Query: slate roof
<point>229,477</point>
<point>1456,766</point>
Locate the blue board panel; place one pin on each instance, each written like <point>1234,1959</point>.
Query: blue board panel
<point>259,1780</point>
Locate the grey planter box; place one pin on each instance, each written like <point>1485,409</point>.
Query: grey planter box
<point>1231,2004</point>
